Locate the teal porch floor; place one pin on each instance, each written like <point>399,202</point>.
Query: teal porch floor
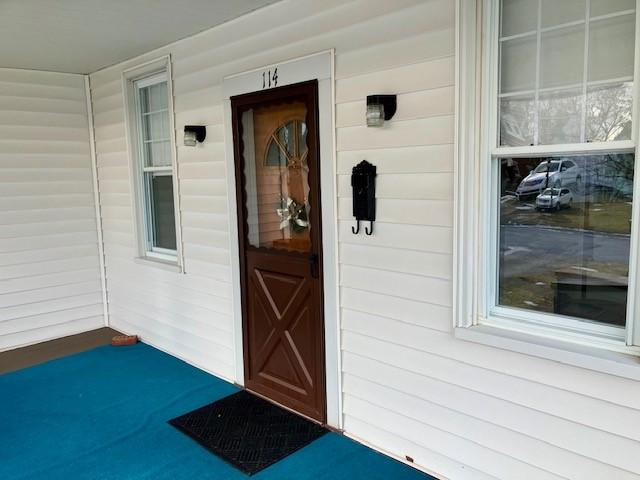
<point>103,414</point>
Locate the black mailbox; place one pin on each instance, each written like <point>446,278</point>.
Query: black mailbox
<point>363,184</point>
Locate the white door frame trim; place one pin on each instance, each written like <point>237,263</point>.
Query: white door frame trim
<point>321,67</point>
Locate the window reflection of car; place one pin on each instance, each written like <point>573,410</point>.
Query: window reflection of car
<point>554,199</point>
<point>549,174</point>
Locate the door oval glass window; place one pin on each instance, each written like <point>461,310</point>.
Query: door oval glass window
<point>287,144</point>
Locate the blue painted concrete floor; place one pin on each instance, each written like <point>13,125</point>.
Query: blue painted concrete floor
<point>103,414</point>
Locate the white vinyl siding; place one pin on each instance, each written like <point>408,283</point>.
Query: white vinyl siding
<point>146,300</point>
<point>49,269</point>
<point>463,410</point>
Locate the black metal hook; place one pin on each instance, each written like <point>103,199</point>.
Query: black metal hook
<point>369,231</point>
<point>355,231</point>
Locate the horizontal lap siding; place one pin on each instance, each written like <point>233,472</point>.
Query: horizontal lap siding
<point>187,315</point>
<point>409,388</point>
<point>49,269</point>
<point>183,313</point>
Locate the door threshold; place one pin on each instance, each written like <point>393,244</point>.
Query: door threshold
<point>288,409</point>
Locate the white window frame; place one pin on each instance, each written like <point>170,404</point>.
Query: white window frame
<point>477,316</point>
<point>133,79</point>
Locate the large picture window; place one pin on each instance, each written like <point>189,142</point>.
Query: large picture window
<point>561,146</point>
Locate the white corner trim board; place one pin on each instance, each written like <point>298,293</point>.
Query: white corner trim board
<point>96,196</point>
<point>319,67</point>
<point>50,270</point>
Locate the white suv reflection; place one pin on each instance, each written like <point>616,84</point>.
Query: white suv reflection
<point>554,199</point>
<point>554,174</point>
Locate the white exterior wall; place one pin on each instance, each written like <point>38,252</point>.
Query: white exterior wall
<point>49,269</point>
<point>460,409</point>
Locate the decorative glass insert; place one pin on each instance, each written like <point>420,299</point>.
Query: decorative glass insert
<point>288,143</point>
<point>274,140</point>
<point>564,235</point>
<point>560,63</point>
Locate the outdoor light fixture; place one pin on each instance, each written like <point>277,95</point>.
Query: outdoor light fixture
<point>379,109</point>
<point>194,134</point>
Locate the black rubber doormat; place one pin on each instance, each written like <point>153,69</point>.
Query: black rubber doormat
<point>247,431</point>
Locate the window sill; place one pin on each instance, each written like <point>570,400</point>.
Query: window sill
<point>589,357</point>
<point>159,263</point>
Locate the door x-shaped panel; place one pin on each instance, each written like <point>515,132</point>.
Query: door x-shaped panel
<point>280,306</point>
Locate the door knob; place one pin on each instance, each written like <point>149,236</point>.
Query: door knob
<point>313,264</point>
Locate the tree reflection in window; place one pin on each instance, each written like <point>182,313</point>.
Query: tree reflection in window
<point>609,112</point>
<point>606,112</point>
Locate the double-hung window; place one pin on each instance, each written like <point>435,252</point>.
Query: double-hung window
<point>555,168</point>
<point>156,165</point>
<point>151,150</point>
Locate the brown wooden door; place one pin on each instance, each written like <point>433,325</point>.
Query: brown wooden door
<point>276,150</point>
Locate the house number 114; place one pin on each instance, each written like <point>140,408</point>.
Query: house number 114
<point>270,79</point>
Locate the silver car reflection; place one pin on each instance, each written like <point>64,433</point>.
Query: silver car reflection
<point>554,199</point>
<point>549,173</point>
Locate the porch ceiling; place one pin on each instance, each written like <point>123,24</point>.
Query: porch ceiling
<point>82,36</point>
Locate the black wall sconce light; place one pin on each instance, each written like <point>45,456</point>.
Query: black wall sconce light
<point>379,109</point>
<point>194,134</point>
